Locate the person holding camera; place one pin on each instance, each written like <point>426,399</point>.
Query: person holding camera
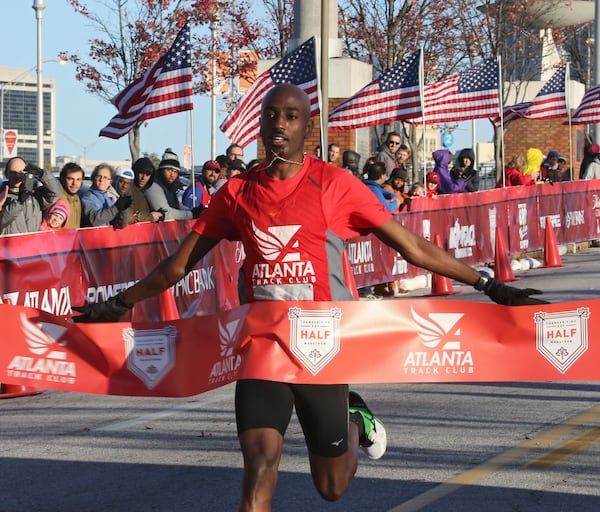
<point>22,199</point>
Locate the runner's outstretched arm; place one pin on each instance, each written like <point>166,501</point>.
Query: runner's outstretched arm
<point>168,272</point>
<point>422,253</point>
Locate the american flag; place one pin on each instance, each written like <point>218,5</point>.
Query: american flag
<point>511,112</point>
<point>588,111</point>
<point>393,96</point>
<point>165,88</point>
<point>472,94</point>
<point>298,67</point>
<point>549,103</point>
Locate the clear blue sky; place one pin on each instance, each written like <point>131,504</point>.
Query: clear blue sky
<point>80,115</point>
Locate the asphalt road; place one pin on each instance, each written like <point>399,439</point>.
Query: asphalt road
<point>460,447</point>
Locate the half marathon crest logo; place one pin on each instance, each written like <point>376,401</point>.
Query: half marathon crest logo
<point>440,336</point>
<point>314,336</point>
<point>562,337</point>
<point>150,353</point>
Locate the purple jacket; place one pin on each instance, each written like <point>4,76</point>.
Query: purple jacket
<point>448,184</point>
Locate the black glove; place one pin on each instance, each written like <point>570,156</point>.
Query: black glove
<point>108,311</point>
<point>197,210</point>
<point>162,212</point>
<point>34,169</point>
<point>501,293</point>
<point>27,188</point>
<point>123,203</point>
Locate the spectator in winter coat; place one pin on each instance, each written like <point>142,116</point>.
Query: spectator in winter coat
<point>375,181</point>
<point>351,162</point>
<point>513,174</point>
<point>397,185</point>
<point>162,194</point>
<point>22,202</point>
<point>143,172</point>
<point>71,179</point>
<point>534,158</point>
<point>591,151</point>
<point>592,170</point>
<point>99,207</point>
<point>389,153</point>
<point>448,185</point>
<point>432,182</point>
<point>203,187</point>
<point>465,169</point>
<point>554,168</point>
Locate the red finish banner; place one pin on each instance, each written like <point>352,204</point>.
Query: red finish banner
<point>52,270</point>
<point>421,340</point>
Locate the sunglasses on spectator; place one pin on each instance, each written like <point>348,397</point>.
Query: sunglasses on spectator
<point>393,143</point>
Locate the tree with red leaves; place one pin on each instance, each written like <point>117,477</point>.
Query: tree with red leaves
<point>130,35</point>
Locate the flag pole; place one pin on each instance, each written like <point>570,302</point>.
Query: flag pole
<point>324,79</point>
<point>192,176</point>
<point>567,104</point>
<point>501,111</point>
<point>422,98</point>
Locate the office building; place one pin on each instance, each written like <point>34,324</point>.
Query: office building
<point>18,111</point>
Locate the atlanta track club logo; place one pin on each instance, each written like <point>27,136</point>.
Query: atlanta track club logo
<point>278,242</point>
<point>225,368</point>
<point>314,336</point>
<point>440,334</point>
<point>150,353</point>
<point>46,361</point>
<point>562,337</point>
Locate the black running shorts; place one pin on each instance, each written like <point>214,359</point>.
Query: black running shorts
<point>322,410</point>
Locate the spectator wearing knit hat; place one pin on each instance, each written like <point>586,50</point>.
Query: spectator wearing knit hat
<point>143,172</point>
<point>432,182</point>
<point>162,194</point>
<point>57,216</point>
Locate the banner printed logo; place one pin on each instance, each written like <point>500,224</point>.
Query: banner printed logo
<point>562,337</point>
<point>150,353</point>
<point>440,335</point>
<point>314,336</point>
<point>225,369</point>
<point>50,364</point>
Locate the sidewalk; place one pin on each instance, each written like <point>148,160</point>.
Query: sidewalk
<point>577,279</point>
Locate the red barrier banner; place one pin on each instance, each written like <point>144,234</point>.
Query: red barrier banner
<point>421,340</point>
<point>52,270</point>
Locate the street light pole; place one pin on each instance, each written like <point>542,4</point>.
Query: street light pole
<point>214,27</point>
<point>39,6</point>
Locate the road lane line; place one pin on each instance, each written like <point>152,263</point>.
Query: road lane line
<point>567,449</point>
<point>201,402</point>
<point>521,451</point>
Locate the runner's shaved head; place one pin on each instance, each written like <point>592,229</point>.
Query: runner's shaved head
<point>293,93</point>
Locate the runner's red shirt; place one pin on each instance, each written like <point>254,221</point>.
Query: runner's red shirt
<point>294,231</point>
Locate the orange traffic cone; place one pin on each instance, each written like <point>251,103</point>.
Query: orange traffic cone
<point>502,269</point>
<point>168,307</point>
<point>440,285</point>
<point>17,390</point>
<point>551,256</point>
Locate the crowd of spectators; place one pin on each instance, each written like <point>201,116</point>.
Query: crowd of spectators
<point>32,199</point>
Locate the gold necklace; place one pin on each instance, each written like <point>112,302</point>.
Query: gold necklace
<point>276,157</point>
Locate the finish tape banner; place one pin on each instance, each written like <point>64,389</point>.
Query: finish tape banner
<point>420,340</point>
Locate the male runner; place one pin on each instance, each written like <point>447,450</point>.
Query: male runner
<point>295,208</point>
